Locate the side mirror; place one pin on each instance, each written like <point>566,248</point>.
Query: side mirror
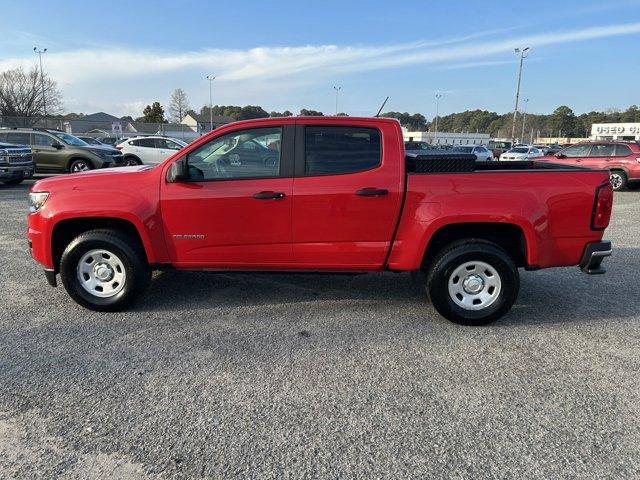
<point>178,171</point>
<point>58,146</point>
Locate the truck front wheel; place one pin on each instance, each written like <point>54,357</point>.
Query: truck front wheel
<point>473,282</point>
<point>101,270</point>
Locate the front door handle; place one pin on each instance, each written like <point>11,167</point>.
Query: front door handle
<point>268,195</point>
<point>372,192</point>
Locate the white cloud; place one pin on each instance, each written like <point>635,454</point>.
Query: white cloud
<point>311,63</point>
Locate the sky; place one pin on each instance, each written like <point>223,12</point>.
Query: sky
<point>119,57</point>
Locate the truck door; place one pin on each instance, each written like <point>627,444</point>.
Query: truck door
<point>232,212</point>
<point>347,194</point>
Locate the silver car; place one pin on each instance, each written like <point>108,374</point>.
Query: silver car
<point>483,154</point>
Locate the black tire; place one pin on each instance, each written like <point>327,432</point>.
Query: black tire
<point>454,257</point>
<point>137,272</point>
<point>618,179</point>
<point>132,161</point>
<point>15,181</point>
<point>80,165</point>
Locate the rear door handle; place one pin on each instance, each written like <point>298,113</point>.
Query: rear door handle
<point>372,192</point>
<point>269,195</point>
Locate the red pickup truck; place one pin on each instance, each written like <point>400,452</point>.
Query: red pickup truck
<point>320,194</point>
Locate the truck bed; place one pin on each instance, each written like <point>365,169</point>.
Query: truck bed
<point>551,204</point>
<point>457,163</point>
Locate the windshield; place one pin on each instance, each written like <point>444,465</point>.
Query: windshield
<point>519,150</point>
<point>70,139</point>
<point>463,149</point>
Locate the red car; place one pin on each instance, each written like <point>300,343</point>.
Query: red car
<point>339,196</point>
<point>622,159</point>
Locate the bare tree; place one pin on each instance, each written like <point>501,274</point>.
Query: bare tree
<point>179,105</point>
<point>21,96</point>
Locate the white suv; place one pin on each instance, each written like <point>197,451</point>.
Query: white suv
<point>149,150</point>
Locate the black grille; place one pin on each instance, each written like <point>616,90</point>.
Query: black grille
<point>441,163</point>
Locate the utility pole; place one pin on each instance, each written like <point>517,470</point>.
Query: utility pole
<point>337,89</point>
<point>524,118</point>
<point>211,78</point>
<point>435,135</point>
<point>522,53</point>
<point>44,100</point>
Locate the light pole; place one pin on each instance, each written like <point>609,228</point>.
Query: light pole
<point>524,118</point>
<point>211,78</point>
<point>337,89</point>
<point>522,53</point>
<point>44,101</point>
<point>435,135</point>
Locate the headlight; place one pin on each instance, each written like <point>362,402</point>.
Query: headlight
<point>4,156</point>
<point>37,200</point>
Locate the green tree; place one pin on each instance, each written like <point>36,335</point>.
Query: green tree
<point>563,121</point>
<point>153,113</point>
<point>310,113</point>
<point>413,122</point>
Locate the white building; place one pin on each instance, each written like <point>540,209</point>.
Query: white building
<point>615,131</point>
<point>447,138</point>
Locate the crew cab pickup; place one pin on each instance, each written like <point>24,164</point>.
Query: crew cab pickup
<point>330,194</point>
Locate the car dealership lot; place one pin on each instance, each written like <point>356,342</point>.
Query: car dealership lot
<point>222,375</point>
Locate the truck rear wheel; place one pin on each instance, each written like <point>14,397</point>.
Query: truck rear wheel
<point>473,282</point>
<point>102,271</point>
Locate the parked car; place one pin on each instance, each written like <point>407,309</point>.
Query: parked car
<point>521,153</point>
<point>620,158</point>
<point>417,146</point>
<point>498,148</point>
<point>334,200</point>
<point>16,163</point>
<point>149,150</point>
<point>91,141</point>
<point>109,140</point>
<point>55,151</point>
<point>482,153</point>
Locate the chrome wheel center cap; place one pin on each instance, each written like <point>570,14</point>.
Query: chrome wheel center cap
<point>103,272</point>
<point>473,284</point>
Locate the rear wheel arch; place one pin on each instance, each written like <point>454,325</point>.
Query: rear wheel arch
<point>66,230</point>
<point>508,236</point>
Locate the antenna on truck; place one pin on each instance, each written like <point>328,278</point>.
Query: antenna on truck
<point>382,106</point>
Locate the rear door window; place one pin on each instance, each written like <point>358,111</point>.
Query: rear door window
<point>339,150</point>
<point>145,142</point>
<point>602,150</point>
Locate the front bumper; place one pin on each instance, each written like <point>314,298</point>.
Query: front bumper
<point>14,172</point>
<point>593,255</point>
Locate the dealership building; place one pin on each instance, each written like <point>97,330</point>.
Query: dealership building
<point>615,131</point>
<point>447,138</point>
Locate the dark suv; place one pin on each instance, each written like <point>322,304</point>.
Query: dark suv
<point>16,163</point>
<point>55,151</point>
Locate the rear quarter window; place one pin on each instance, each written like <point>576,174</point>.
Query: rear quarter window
<point>339,150</point>
<point>622,150</point>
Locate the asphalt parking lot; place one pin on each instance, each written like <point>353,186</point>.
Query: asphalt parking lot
<point>317,376</point>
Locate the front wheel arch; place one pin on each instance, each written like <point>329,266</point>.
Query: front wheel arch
<point>91,164</point>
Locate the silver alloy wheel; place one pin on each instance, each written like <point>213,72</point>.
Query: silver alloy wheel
<point>474,285</point>
<point>101,273</point>
<point>616,179</point>
<point>132,162</point>
<point>79,166</point>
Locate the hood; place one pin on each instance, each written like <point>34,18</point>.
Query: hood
<point>85,178</point>
<point>106,150</point>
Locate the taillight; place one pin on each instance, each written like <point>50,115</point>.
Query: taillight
<point>602,207</point>
<point>119,147</point>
